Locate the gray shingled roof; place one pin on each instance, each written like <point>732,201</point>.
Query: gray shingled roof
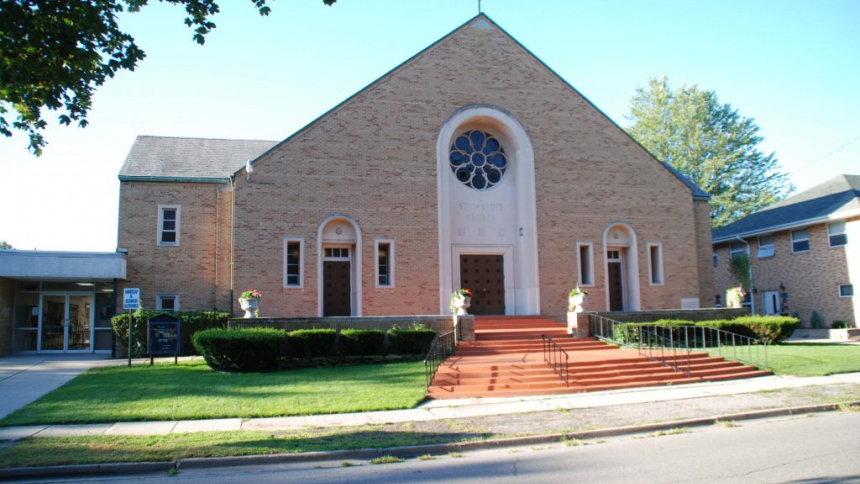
<point>838,195</point>
<point>188,159</point>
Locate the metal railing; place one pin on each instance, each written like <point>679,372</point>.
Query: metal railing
<point>555,356</point>
<point>440,350</point>
<point>673,341</point>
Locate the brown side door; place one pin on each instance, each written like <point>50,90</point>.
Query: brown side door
<point>484,275</point>
<point>616,294</point>
<point>336,289</point>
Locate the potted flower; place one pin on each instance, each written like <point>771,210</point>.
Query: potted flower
<point>249,301</point>
<point>461,299</point>
<point>576,297</point>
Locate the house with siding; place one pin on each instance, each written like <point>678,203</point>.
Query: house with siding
<point>804,252</point>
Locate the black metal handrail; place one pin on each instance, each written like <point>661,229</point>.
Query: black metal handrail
<point>555,356</point>
<point>657,346</point>
<point>681,339</point>
<point>440,350</point>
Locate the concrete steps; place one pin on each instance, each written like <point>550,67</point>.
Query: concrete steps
<point>506,359</point>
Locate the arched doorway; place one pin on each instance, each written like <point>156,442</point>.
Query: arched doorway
<point>621,257</point>
<point>339,267</point>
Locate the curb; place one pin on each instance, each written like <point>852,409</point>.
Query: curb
<point>402,452</point>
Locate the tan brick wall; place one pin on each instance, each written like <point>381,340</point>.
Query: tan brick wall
<point>188,269</point>
<point>7,299</point>
<point>704,247</point>
<point>374,159</point>
<point>811,278</point>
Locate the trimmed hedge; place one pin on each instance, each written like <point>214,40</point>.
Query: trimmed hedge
<point>413,341</point>
<point>770,329</point>
<point>311,343</point>
<point>241,350</point>
<point>192,322</point>
<point>362,342</point>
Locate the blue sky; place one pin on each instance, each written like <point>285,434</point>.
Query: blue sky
<point>793,66</point>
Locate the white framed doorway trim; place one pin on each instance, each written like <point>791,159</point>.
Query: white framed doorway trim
<point>67,296</point>
<point>507,253</point>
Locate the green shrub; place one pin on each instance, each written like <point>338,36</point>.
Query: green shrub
<point>840,325</point>
<point>192,322</point>
<point>362,342</point>
<point>771,329</point>
<point>629,333</point>
<point>413,341</point>
<point>241,350</point>
<point>816,320</point>
<point>311,343</point>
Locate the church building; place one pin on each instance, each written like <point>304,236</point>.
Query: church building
<point>471,165</point>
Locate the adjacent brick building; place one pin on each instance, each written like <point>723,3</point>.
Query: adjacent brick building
<point>803,251</point>
<point>471,165</point>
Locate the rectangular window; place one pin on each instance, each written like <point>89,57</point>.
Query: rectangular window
<point>716,259</point>
<point>799,240</point>
<point>585,252</point>
<point>837,235</point>
<point>738,249</point>
<point>765,246</point>
<point>384,263</point>
<point>168,224</point>
<point>655,263</point>
<point>846,290</point>
<point>167,302</point>
<point>294,253</point>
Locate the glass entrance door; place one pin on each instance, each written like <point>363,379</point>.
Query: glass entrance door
<point>66,322</point>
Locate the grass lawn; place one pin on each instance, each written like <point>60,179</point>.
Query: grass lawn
<point>193,391</point>
<point>156,448</point>
<point>812,359</point>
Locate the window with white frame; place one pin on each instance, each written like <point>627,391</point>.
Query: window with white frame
<point>716,259</point>
<point>167,302</point>
<point>294,254</point>
<point>738,249</point>
<point>384,263</point>
<point>765,246</point>
<point>655,263</point>
<point>585,255</point>
<point>846,290</point>
<point>837,235</point>
<point>799,241</point>
<point>168,224</point>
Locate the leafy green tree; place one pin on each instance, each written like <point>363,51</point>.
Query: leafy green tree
<point>711,144</point>
<point>5,245</point>
<point>55,53</point>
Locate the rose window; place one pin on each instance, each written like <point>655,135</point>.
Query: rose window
<point>478,159</point>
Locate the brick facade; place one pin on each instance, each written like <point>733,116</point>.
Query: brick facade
<point>811,279</point>
<point>373,159</point>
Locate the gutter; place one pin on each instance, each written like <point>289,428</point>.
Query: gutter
<point>174,179</point>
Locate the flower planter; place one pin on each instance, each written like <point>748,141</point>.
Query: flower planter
<point>577,300</point>
<point>250,306</point>
<point>461,304</point>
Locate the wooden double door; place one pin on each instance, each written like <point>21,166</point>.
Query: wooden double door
<point>484,275</point>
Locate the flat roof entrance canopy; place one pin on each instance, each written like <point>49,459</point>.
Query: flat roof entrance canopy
<point>34,264</point>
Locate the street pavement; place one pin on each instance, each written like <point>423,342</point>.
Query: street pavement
<point>802,449</point>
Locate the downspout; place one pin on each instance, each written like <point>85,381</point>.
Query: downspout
<point>749,257</point>
<point>232,234</point>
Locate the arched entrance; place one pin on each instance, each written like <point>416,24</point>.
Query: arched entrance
<point>621,267</point>
<point>339,267</point>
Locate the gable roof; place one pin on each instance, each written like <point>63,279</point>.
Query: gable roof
<point>161,158</point>
<point>482,20</point>
<point>836,198</point>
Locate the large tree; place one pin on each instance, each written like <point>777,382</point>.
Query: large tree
<point>711,144</point>
<point>5,245</point>
<point>54,53</point>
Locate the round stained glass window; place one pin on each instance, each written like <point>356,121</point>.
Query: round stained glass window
<point>478,159</point>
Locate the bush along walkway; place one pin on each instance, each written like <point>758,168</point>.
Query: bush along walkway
<point>562,420</point>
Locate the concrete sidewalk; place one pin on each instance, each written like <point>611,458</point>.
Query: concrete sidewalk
<point>440,409</point>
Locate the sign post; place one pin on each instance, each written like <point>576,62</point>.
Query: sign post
<point>130,301</point>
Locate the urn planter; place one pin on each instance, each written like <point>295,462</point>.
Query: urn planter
<point>250,306</point>
<point>461,304</point>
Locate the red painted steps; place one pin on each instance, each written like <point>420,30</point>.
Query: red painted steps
<point>506,359</point>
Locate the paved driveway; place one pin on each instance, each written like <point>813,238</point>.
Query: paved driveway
<point>24,379</point>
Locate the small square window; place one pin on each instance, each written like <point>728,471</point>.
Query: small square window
<point>836,234</point>
<point>738,249</point>
<point>799,240</point>
<point>846,290</point>
<point>167,302</point>
<point>765,246</point>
